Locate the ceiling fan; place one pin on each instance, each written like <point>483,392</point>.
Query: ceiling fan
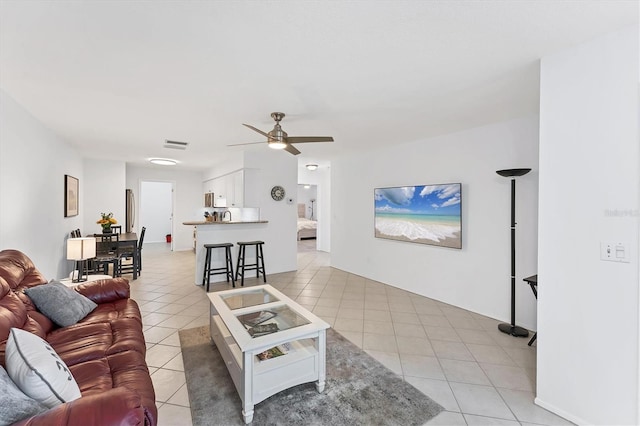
<point>278,138</point>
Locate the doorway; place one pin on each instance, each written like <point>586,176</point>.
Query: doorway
<point>307,217</point>
<point>319,190</point>
<point>156,211</point>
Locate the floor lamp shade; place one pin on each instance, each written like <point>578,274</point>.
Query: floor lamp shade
<point>512,328</point>
<point>80,249</point>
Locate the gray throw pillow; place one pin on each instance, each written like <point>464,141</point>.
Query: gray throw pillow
<point>15,405</point>
<point>59,303</point>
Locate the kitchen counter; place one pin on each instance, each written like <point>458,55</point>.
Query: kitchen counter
<point>232,232</point>
<point>227,222</point>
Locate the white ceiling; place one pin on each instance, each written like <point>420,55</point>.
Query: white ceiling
<point>116,79</point>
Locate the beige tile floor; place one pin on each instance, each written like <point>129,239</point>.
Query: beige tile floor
<point>458,358</point>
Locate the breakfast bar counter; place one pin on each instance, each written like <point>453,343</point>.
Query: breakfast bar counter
<point>226,222</point>
<point>220,232</point>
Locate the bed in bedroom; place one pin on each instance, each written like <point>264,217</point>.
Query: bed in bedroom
<point>306,227</point>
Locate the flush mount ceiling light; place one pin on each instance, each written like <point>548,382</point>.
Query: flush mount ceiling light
<point>312,166</point>
<point>163,161</point>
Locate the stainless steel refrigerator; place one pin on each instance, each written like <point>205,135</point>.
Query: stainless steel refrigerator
<point>130,206</point>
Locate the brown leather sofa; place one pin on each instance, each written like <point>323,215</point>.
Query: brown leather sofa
<point>105,351</point>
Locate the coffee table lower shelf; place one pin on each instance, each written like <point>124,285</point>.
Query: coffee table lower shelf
<point>256,380</point>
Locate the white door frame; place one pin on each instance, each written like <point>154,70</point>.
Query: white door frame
<point>173,190</point>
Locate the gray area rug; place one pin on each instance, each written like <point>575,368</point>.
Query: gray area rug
<point>359,390</point>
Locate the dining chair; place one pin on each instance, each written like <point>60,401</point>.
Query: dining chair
<point>107,253</point>
<point>116,229</point>
<point>127,268</point>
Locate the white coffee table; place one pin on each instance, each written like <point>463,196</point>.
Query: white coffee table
<point>299,330</point>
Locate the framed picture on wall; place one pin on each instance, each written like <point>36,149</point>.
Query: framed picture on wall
<point>425,214</point>
<point>71,191</point>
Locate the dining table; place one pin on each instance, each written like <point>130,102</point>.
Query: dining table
<point>127,243</point>
<point>130,239</point>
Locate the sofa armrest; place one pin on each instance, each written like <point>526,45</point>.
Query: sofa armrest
<point>104,291</point>
<point>118,406</point>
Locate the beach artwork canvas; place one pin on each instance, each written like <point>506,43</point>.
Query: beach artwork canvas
<point>427,214</point>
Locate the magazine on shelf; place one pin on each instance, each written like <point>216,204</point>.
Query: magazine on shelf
<point>274,352</point>
<point>262,329</point>
<point>256,318</point>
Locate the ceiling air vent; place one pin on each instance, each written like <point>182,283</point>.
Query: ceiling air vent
<point>175,145</point>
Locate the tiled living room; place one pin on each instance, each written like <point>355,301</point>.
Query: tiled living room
<point>456,357</point>
<point>404,95</point>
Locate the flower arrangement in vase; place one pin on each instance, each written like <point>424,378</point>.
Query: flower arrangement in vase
<point>106,221</point>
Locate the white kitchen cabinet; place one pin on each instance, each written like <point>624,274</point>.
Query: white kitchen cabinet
<point>232,188</point>
<point>218,187</point>
<point>236,184</point>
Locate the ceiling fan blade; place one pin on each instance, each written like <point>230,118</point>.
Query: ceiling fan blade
<point>256,130</point>
<point>291,149</point>
<point>303,139</point>
<point>248,143</point>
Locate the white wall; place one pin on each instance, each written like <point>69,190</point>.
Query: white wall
<point>33,162</point>
<point>187,199</point>
<point>156,206</point>
<point>589,164</point>
<point>223,165</point>
<point>105,193</point>
<point>267,168</point>
<point>276,168</point>
<point>477,277</point>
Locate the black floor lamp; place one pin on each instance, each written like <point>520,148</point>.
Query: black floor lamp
<point>512,328</point>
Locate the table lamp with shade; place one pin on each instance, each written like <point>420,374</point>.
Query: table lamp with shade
<point>79,250</point>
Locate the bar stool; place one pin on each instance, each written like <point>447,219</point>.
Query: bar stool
<point>227,269</point>
<point>258,266</point>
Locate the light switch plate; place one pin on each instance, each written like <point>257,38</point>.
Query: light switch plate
<point>614,252</point>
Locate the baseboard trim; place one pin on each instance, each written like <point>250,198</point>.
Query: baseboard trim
<point>562,413</point>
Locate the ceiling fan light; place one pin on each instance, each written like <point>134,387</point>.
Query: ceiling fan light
<point>277,145</point>
<point>311,167</point>
<point>163,161</point>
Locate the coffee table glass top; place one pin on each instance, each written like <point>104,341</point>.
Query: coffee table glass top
<point>271,320</point>
<point>248,298</point>
<point>256,315</point>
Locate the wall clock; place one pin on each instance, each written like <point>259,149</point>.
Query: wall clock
<point>277,193</point>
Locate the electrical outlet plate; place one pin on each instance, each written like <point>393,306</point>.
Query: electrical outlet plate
<point>614,252</point>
